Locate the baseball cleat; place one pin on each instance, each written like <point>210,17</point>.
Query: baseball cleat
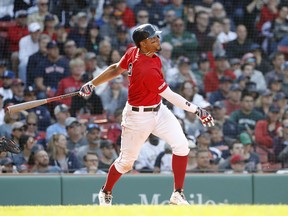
<point>105,198</point>
<point>178,198</point>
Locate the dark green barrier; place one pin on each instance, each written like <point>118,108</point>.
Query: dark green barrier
<point>30,190</point>
<point>157,189</point>
<point>270,189</point>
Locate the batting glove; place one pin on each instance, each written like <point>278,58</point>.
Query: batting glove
<point>205,117</point>
<point>86,90</point>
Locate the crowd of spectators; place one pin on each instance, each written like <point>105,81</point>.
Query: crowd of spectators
<point>228,57</point>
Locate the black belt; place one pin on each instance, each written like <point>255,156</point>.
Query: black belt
<point>150,109</point>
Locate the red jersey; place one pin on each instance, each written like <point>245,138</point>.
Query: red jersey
<point>68,85</point>
<point>146,80</point>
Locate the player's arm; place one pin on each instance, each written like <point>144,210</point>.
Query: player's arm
<point>181,102</point>
<point>109,73</point>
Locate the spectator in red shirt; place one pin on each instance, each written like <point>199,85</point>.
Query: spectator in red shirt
<point>72,83</point>
<point>268,12</point>
<point>127,14</point>
<point>211,79</point>
<point>15,33</point>
<point>268,128</point>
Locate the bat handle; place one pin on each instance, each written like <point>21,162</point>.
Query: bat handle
<point>62,97</point>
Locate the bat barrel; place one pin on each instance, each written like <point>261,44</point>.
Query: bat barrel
<point>24,106</point>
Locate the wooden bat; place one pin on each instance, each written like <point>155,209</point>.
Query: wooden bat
<point>31,104</point>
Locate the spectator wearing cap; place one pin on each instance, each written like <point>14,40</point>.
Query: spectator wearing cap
<point>275,84</point>
<point>9,119</point>
<point>225,83</point>
<point>241,45</point>
<point>49,71</point>
<point>108,155</point>
<point>246,117</point>
<point>184,43</point>
<point>232,101</point>
<point>17,130</point>
<point>278,59</point>
<point>203,68</point>
<point>40,14</point>
<point>18,91</point>
<point>217,140</point>
<point>72,83</point>
<point>79,33</point>
<point>180,73</point>
<point>262,62</point>
<point>188,90</point>
<point>93,138</point>
<point>280,146</point>
<point>15,33</point>
<point>61,113</point>
<point>36,58</point>
<point>28,45</point>
<point>127,14</point>
<point>6,12</point>
<point>155,11</point>
<point>61,36</point>
<point>219,113</point>
<point>94,38</point>
<point>264,102</point>
<point>252,159</point>
<point>8,166</point>
<point>74,134</point>
<point>26,143</point>
<point>60,156</point>
<point>235,64</point>
<point>250,73</point>
<point>226,35</point>
<point>114,97</point>
<point>237,163</point>
<point>91,162</point>
<point>122,41</point>
<point>148,154</point>
<point>212,78</point>
<point>6,90</point>
<point>49,26</point>
<point>42,112</point>
<point>41,160</point>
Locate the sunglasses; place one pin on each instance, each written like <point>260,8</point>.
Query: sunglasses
<point>31,124</point>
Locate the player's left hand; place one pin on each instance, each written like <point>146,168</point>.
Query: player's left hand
<point>205,117</point>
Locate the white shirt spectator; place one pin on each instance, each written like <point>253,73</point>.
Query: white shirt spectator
<point>6,8</point>
<point>226,37</point>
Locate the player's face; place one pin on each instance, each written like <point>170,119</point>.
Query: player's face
<point>153,44</point>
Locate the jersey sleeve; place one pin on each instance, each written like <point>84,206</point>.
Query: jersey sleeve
<point>155,82</point>
<point>124,61</point>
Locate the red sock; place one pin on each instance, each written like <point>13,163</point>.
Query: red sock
<point>112,178</point>
<point>179,164</point>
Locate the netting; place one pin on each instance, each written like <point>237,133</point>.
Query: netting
<point>229,57</point>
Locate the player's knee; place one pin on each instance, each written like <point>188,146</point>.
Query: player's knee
<point>124,166</point>
<point>181,149</point>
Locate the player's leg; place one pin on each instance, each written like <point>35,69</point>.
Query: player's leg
<point>169,129</point>
<point>136,127</point>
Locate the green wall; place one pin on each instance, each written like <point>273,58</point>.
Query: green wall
<point>143,189</point>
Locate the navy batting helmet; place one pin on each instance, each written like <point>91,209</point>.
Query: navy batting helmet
<point>144,32</point>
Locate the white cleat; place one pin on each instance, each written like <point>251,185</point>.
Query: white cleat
<point>105,199</point>
<point>178,198</point>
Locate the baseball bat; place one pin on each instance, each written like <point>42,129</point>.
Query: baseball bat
<point>31,104</point>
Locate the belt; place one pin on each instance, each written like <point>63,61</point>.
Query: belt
<point>148,109</point>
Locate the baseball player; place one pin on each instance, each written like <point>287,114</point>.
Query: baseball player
<point>144,113</point>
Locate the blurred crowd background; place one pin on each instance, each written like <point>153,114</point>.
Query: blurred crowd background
<point>229,57</point>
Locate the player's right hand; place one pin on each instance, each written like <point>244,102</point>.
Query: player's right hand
<point>86,90</point>
<point>205,117</point>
